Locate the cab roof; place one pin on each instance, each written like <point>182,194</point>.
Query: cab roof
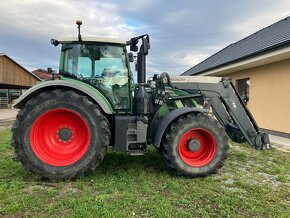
<point>93,39</point>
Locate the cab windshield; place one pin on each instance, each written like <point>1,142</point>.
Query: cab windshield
<point>101,65</point>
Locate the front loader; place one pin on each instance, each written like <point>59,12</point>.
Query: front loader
<point>66,124</point>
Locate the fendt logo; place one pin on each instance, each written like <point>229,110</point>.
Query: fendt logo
<point>233,103</point>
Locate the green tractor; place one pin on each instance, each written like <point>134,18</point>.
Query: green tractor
<point>66,124</point>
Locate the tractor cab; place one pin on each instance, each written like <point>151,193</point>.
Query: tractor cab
<point>101,62</point>
<point>104,64</point>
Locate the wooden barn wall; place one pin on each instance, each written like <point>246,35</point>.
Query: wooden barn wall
<point>13,74</point>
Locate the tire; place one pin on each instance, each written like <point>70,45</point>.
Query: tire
<point>194,145</point>
<point>60,135</point>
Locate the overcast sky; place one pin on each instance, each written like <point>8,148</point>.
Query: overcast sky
<point>182,32</point>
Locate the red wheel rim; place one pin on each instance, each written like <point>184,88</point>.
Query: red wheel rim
<point>197,147</point>
<point>60,137</point>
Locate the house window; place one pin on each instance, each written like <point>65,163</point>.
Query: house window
<point>243,86</point>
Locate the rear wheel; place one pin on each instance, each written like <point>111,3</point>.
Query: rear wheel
<point>60,135</point>
<point>194,145</point>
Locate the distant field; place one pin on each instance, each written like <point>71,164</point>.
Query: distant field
<point>251,184</point>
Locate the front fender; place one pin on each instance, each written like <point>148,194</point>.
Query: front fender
<point>162,126</point>
<point>84,88</point>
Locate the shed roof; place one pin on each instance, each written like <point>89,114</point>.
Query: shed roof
<point>267,39</point>
<point>3,54</point>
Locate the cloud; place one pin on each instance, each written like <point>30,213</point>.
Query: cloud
<point>182,32</point>
<point>179,16</point>
<point>134,6</point>
<point>30,24</point>
<point>251,25</point>
<point>53,17</point>
<point>174,63</point>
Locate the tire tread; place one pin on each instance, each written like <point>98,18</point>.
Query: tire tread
<point>100,122</point>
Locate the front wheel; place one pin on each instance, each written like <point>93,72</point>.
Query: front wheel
<point>194,145</point>
<point>60,134</point>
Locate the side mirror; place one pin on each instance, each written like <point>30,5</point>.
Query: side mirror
<point>54,42</point>
<point>131,57</point>
<point>134,48</point>
<point>146,46</point>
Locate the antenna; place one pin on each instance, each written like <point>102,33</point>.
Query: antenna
<point>79,23</point>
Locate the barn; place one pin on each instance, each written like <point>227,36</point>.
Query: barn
<point>14,79</point>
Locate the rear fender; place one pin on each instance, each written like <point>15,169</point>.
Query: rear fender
<point>164,123</point>
<point>84,88</point>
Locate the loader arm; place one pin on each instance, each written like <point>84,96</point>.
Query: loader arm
<point>227,106</point>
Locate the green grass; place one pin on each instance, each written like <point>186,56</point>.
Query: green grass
<point>251,184</point>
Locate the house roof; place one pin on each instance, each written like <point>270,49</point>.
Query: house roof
<point>42,74</point>
<point>3,54</point>
<point>265,40</point>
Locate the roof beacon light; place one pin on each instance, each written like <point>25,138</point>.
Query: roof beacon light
<point>79,23</point>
